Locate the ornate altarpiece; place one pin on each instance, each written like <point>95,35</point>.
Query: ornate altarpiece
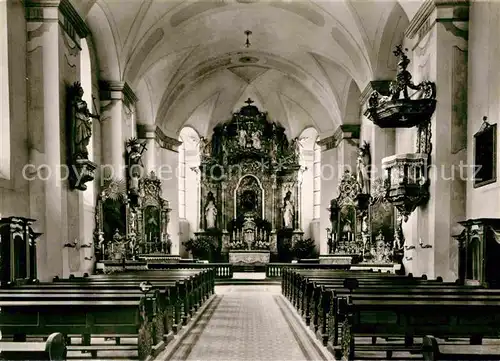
<point>363,227</point>
<point>132,230</point>
<point>249,171</point>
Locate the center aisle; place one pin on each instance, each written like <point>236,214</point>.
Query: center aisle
<point>248,323</point>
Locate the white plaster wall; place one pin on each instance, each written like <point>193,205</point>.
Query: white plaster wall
<point>14,194</point>
<point>484,99</point>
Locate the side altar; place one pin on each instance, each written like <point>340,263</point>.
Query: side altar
<point>250,200</point>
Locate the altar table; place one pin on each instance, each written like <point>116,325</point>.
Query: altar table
<point>250,257</point>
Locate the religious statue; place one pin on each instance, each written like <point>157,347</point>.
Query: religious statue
<point>288,213</point>
<point>135,166</point>
<point>256,139</point>
<point>399,237</point>
<point>296,148</point>
<point>243,137</point>
<point>211,214</point>
<point>82,124</point>
<point>203,145</point>
<point>403,77</point>
<point>362,165</point>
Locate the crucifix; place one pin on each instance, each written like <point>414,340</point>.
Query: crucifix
<point>249,101</point>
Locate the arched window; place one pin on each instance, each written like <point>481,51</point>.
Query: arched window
<point>4,95</point>
<point>86,82</point>
<point>317,180</point>
<point>189,160</point>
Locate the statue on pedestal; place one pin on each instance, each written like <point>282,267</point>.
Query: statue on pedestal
<point>135,166</point>
<point>288,213</point>
<point>211,214</point>
<point>362,165</point>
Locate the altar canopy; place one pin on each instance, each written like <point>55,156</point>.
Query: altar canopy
<point>249,183</point>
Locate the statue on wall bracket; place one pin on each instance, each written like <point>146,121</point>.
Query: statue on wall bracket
<point>79,125</point>
<point>363,166</point>
<point>135,168</point>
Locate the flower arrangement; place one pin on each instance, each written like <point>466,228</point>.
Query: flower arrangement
<point>200,247</point>
<point>237,245</point>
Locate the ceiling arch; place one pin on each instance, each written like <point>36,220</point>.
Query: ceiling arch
<point>305,58</point>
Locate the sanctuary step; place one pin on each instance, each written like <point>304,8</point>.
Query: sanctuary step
<point>248,278</point>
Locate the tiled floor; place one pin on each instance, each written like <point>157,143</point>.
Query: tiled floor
<point>248,323</point>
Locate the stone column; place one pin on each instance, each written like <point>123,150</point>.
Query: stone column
<point>147,132</point>
<point>339,153</point>
<point>167,173</point>
<point>438,37</point>
<point>114,96</point>
<point>54,30</point>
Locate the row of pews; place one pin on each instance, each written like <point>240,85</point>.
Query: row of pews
<point>137,312</point>
<point>359,313</point>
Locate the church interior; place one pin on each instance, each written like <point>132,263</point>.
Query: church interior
<point>249,180</point>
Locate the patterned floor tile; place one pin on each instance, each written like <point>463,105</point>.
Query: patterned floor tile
<point>244,323</point>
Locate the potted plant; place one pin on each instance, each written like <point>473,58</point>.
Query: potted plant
<point>200,247</point>
<point>303,248</point>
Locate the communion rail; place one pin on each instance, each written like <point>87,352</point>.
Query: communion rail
<point>223,270</point>
<point>274,270</point>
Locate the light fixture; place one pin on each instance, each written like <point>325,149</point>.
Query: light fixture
<point>247,43</point>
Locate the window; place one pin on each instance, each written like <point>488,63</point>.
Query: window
<point>317,180</point>
<point>485,155</point>
<point>182,180</point>
<point>189,160</point>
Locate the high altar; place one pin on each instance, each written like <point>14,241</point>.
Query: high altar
<point>249,191</point>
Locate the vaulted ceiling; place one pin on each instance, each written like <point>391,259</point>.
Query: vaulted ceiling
<point>188,64</point>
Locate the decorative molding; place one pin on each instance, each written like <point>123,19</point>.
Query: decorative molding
<point>381,86</point>
<point>73,20</point>
<point>68,17</point>
<point>146,131</point>
<point>166,142</point>
<point>117,90</point>
<point>344,131</point>
<point>422,22</point>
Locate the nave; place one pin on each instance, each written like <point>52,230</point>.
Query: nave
<point>247,322</point>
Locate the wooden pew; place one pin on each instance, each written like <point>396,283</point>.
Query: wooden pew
<point>195,286</point>
<point>54,349</point>
<point>89,315</point>
<point>327,284</point>
<point>190,288</point>
<point>432,351</point>
<point>398,315</point>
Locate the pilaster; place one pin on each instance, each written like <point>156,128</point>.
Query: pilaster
<point>382,141</point>
<point>437,37</point>
<point>116,97</point>
<point>167,173</point>
<point>54,30</point>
